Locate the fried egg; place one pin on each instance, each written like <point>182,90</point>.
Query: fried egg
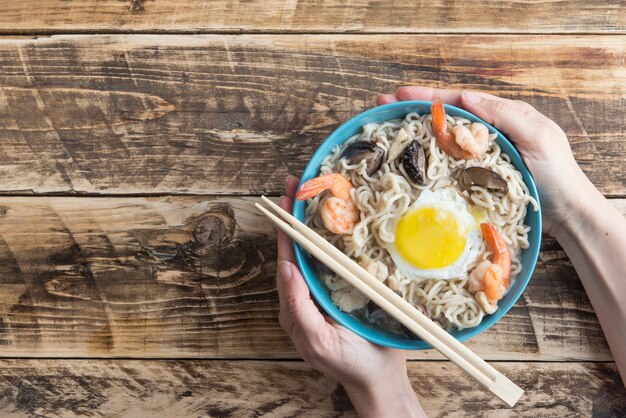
<point>437,238</point>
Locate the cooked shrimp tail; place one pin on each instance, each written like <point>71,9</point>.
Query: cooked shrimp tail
<point>439,122</point>
<point>444,139</point>
<point>501,255</point>
<point>462,143</point>
<point>491,277</point>
<point>338,212</point>
<point>338,185</point>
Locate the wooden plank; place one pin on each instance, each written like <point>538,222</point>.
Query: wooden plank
<point>194,277</point>
<point>254,388</point>
<point>58,16</point>
<point>236,114</point>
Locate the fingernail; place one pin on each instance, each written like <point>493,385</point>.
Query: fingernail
<point>470,97</point>
<point>284,269</point>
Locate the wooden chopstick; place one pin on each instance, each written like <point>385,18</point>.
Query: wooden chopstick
<point>377,298</point>
<point>404,305</point>
<point>395,305</point>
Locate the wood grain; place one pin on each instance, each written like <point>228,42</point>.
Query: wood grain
<point>465,16</point>
<point>236,114</point>
<point>194,277</point>
<point>52,388</point>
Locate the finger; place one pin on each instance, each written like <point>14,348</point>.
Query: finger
<point>382,99</point>
<point>519,121</point>
<point>298,314</point>
<point>285,245</point>
<point>291,186</point>
<point>452,97</point>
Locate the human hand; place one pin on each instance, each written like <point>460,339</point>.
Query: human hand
<point>372,375</point>
<point>541,142</point>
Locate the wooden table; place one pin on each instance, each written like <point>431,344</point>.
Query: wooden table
<point>138,280</point>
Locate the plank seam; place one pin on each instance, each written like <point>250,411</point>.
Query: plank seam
<point>291,33</point>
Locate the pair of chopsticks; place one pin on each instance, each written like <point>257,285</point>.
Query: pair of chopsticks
<point>394,305</point>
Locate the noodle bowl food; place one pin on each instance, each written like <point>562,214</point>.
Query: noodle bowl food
<point>434,203</point>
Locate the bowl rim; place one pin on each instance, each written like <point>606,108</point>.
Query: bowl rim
<point>359,327</point>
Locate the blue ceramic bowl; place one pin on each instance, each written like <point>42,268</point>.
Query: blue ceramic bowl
<point>372,332</point>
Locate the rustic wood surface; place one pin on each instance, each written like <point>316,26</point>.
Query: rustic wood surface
<point>114,149</point>
<point>95,388</point>
<point>194,277</point>
<point>464,16</point>
<point>236,114</point>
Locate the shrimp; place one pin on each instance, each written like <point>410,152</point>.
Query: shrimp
<point>462,143</point>
<point>338,212</point>
<point>491,277</point>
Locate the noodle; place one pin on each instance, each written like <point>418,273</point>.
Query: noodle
<point>385,197</point>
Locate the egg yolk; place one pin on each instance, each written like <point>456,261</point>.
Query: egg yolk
<point>430,238</point>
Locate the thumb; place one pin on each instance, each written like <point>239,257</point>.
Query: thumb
<point>298,314</point>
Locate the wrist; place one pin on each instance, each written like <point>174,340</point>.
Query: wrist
<point>387,399</point>
<point>581,205</point>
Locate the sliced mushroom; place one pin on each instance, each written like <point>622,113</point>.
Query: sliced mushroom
<point>364,150</point>
<point>483,177</point>
<point>398,145</point>
<point>414,161</point>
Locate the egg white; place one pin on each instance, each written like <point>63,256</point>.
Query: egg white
<point>446,200</point>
